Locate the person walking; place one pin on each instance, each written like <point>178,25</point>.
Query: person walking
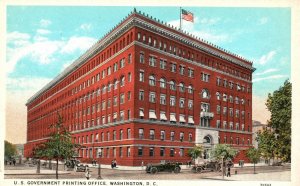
<point>228,171</point>
<point>87,174</point>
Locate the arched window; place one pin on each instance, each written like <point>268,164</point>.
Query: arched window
<point>190,89</point>
<point>224,97</point>
<point>207,139</point>
<point>218,95</point>
<point>172,85</point>
<point>181,87</point>
<point>152,80</point>
<point>163,83</point>
<point>205,93</point>
<point>122,81</point>
<point>236,100</point>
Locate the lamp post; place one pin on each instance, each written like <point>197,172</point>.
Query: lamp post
<point>222,167</point>
<point>99,166</point>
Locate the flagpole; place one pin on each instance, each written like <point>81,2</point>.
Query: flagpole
<point>180,19</point>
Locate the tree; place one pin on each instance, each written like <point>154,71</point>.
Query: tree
<point>254,155</point>
<point>10,149</point>
<point>59,146</point>
<point>195,152</point>
<point>224,152</point>
<point>280,105</point>
<point>267,144</point>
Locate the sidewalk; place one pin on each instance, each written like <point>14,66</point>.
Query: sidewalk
<point>268,176</point>
<point>33,172</point>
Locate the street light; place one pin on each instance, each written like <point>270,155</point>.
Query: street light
<point>99,166</point>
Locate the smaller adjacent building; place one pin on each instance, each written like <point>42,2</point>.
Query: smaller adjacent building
<point>257,127</point>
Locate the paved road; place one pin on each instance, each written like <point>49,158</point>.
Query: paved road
<point>246,173</point>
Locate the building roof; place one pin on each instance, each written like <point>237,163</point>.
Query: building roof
<point>145,21</point>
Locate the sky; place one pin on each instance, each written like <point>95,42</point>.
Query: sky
<point>43,40</point>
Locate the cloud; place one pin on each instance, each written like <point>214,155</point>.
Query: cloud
<point>31,84</point>
<point>43,31</point>
<point>266,71</point>
<point>278,76</point>
<point>267,57</point>
<point>40,49</point>
<point>86,27</point>
<point>263,20</point>
<point>45,23</point>
<point>78,43</point>
<point>209,35</point>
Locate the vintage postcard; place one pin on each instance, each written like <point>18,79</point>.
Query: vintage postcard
<point>153,93</point>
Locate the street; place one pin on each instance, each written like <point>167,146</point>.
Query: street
<point>245,173</point>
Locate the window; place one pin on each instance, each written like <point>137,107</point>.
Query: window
<point>108,71</point>
<point>172,150</point>
<point>190,89</point>
<point>190,137</point>
<point>163,99</point>
<point>172,136</point>
<point>181,152</point>
<point>162,135</point>
<point>141,95</point>
<point>181,136</point>
<point>121,115</point>
<point>151,151</point>
<point>219,82</point>
<point>236,100</point>
<point>190,104</point>
<point>173,67</point>
<point>163,83</point>
<point>181,70</point>
<point>163,116</point>
<point>231,112</point>
<point>122,98</point>
<point>152,61</point>
<point>163,64</point>
<point>128,95</point>
<point>182,119</point>
<point>172,85</point>
<point>152,97</point>
<point>218,95</point>
<point>115,67</point>
<point>114,135</point>
<point>142,57</point>
<point>141,77</point>
<point>121,134</point>
<point>152,115</point>
<point>152,80</point>
<point>191,120</point>
<point>152,134</point>
<point>115,116</point>
<point>224,97</point>
<point>172,100</point>
<point>237,113</point>
<point>128,152</point>
<point>173,118</point>
<point>205,107</point>
<point>237,126</point>
<point>224,110</point>
<point>116,84</point>
<point>122,63</point>
<point>225,83</point>
<point>129,58</point>
<point>140,151</point>
<point>190,72</point>
<point>205,77</point>
<point>218,109</point>
<point>205,94</point>
<point>128,133</point>
<point>231,126</point>
<point>162,151</point>
<point>122,81</point>
<point>115,101</point>
<point>224,124</point>
<point>181,102</point>
<point>108,136</point>
<point>181,87</point>
<point>230,99</point>
<point>218,124</point>
<point>141,113</point>
<point>139,36</point>
<point>141,133</point>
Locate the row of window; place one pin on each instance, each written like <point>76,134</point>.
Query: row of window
<point>181,52</point>
<point>106,136</point>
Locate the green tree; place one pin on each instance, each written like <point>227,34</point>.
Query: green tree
<point>195,152</point>
<point>280,105</point>
<point>224,152</point>
<point>254,155</point>
<point>267,144</point>
<point>10,150</point>
<point>59,146</point>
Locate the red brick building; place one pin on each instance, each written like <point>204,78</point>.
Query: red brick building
<point>148,92</point>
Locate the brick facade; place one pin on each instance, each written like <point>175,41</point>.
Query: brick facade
<point>146,76</point>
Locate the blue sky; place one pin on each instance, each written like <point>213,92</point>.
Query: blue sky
<point>44,40</point>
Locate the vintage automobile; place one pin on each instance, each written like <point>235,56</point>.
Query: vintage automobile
<point>81,168</point>
<point>207,166</point>
<point>72,163</point>
<point>168,167</point>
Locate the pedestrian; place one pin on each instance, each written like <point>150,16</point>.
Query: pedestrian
<point>228,171</point>
<point>14,162</point>
<point>115,163</point>
<point>112,164</point>
<point>87,174</point>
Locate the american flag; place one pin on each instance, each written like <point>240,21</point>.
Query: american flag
<point>186,15</point>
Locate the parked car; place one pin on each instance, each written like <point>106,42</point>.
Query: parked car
<point>81,168</point>
<point>167,167</point>
<point>72,163</point>
<point>207,166</point>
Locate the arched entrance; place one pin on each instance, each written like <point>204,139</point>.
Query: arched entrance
<point>207,145</point>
